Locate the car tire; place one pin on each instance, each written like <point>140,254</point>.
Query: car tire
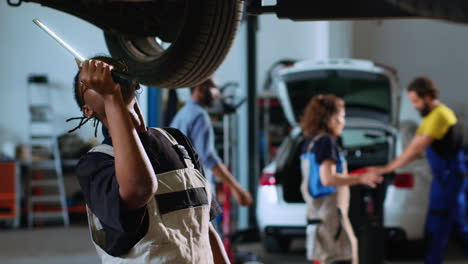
<point>275,244</point>
<point>404,250</point>
<point>454,10</point>
<point>202,43</point>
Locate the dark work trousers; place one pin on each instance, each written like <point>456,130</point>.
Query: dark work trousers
<point>446,185</point>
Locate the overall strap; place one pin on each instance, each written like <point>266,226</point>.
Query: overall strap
<point>167,135</point>
<point>180,149</point>
<point>103,148</point>
<point>312,143</point>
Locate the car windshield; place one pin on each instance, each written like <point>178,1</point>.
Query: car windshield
<point>360,90</point>
<point>362,138</point>
<point>364,147</point>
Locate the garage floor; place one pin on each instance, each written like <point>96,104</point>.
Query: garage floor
<point>297,255</point>
<point>72,246</point>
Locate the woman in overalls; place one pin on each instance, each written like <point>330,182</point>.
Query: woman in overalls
<point>147,201</point>
<point>330,237</point>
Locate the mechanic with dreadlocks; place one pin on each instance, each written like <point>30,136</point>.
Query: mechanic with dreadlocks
<point>147,201</point>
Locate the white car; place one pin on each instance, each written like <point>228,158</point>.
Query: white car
<point>371,137</point>
<point>407,202</point>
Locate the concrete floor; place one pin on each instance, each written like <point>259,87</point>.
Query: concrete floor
<point>47,245</point>
<point>72,246</point>
<point>297,255</point>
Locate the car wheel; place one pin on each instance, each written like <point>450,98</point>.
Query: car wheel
<point>201,44</point>
<point>274,244</point>
<point>454,10</point>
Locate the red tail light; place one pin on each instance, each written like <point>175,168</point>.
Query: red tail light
<point>370,207</point>
<point>267,179</point>
<point>404,180</point>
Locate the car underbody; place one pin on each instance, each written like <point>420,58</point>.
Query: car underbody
<point>197,35</point>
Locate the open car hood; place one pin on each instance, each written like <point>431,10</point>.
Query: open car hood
<point>369,91</point>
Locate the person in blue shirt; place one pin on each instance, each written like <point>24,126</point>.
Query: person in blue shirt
<point>193,120</point>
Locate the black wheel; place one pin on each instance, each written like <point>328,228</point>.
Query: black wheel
<point>404,250</point>
<point>275,244</point>
<point>454,10</point>
<point>201,44</point>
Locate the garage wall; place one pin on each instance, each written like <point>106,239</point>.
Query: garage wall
<point>341,39</point>
<point>280,39</point>
<point>25,50</point>
<point>420,47</point>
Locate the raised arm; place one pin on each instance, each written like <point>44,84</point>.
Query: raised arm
<point>134,172</point>
<point>414,149</point>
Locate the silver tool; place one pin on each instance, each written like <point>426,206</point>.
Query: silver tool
<point>118,77</point>
<point>62,43</point>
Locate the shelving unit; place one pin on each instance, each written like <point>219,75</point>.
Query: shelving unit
<point>10,193</point>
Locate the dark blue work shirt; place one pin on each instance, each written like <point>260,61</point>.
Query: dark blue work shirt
<point>96,175</point>
<point>325,148</point>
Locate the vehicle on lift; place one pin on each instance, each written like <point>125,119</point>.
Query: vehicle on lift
<point>165,43</point>
<point>179,43</point>
<point>370,137</point>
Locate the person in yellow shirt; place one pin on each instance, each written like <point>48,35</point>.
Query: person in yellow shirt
<point>439,134</point>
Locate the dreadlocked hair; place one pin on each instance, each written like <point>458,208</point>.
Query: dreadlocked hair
<point>84,120</point>
<point>119,65</point>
